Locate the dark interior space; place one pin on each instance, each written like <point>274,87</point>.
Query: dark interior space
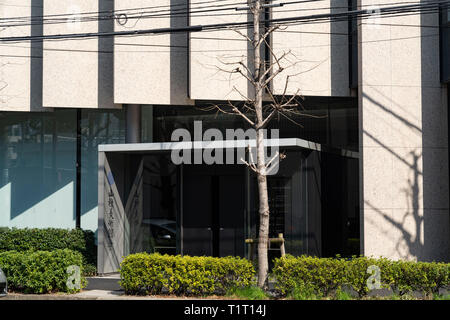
<point>340,206</point>
<point>214,210</point>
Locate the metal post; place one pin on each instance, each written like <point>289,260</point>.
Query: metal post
<point>78,173</point>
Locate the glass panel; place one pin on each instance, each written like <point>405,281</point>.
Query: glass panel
<point>340,199</point>
<point>313,121</point>
<point>214,210</point>
<point>144,194</point>
<point>160,211</point>
<point>37,163</point>
<point>97,127</point>
<point>288,205</point>
<point>314,202</point>
<point>147,124</point>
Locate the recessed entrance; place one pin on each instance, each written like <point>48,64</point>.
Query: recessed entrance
<point>149,204</point>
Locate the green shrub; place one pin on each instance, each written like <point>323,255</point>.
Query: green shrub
<point>51,239</point>
<point>321,274</point>
<point>409,276</point>
<point>328,274</point>
<point>247,293</point>
<point>304,291</point>
<point>342,295</point>
<point>144,273</point>
<point>40,271</point>
<point>441,297</point>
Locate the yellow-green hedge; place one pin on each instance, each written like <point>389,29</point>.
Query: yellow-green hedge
<point>327,274</point>
<point>144,273</point>
<point>41,271</point>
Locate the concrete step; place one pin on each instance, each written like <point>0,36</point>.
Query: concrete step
<point>107,283</point>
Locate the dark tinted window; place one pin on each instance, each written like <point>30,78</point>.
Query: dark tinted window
<point>330,121</point>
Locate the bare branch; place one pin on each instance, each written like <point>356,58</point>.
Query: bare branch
<point>271,160</point>
<point>268,118</point>
<point>235,109</point>
<point>272,65</point>
<point>250,165</point>
<point>269,31</point>
<point>242,34</point>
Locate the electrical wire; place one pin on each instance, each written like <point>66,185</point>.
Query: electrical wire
<point>408,9</point>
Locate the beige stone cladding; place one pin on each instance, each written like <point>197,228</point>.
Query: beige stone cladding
<point>403,138</point>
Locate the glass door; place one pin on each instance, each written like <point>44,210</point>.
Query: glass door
<point>213,210</point>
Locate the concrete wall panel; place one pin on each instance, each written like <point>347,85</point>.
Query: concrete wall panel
<point>403,139</point>
<point>20,62</point>
<point>78,73</point>
<point>318,52</point>
<point>214,53</point>
<point>151,69</point>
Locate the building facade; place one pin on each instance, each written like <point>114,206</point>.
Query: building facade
<point>86,126</point>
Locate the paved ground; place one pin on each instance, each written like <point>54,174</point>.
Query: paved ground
<point>99,288</point>
<point>107,288</point>
<point>96,295</point>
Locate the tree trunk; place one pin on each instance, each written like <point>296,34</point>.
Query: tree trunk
<point>263,262</point>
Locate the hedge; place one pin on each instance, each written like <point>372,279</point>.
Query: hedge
<point>144,273</point>
<point>51,239</point>
<point>40,271</point>
<point>325,275</point>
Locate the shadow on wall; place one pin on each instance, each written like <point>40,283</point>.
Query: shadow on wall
<point>339,54</point>
<point>435,154</point>
<point>408,235</point>
<point>36,60</point>
<point>420,228</point>
<point>421,231</point>
<point>105,93</point>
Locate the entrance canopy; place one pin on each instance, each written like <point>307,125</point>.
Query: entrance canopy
<point>225,144</point>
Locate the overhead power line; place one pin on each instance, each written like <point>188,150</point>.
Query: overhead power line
<point>118,14</point>
<point>432,6</point>
<point>107,12</point>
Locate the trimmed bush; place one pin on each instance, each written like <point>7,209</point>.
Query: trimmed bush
<point>144,273</point>
<point>40,271</point>
<point>51,239</point>
<point>325,275</point>
<point>321,274</point>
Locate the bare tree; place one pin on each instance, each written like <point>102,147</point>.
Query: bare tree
<point>260,109</point>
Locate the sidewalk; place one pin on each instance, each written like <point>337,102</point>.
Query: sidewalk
<point>96,295</point>
<point>99,288</point>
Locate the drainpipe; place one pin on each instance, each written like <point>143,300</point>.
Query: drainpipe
<point>133,129</point>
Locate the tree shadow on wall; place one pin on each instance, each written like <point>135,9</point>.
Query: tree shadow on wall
<point>407,228</point>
